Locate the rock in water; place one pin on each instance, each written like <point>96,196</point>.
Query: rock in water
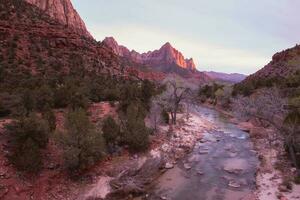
<point>187,166</point>
<point>169,166</point>
<point>234,184</point>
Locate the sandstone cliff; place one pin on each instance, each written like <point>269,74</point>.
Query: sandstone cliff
<point>164,57</point>
<point>64,12</point>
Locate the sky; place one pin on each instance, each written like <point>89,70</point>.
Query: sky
<point>233,36</point>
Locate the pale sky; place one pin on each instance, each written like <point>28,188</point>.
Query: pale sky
<point>221,35</point>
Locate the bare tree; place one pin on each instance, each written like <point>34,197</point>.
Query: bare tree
<point>268,106</point>
<point>176,91</point>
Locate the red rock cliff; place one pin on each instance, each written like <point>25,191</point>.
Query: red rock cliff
<point>166,55</point>
<point>64,12</point>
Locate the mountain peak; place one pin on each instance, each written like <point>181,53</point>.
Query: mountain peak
<point>111,41</point>
<point>64,12</point>
<point>167,55</point>
<point>167,45</point>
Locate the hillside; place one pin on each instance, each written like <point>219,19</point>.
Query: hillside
<point>283,71</point>
<point>34,42</point>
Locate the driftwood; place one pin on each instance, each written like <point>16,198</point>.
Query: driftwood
<point>133,181</point>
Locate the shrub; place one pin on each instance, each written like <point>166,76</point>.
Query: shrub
<point>83,145</point>
<point>4,111</point>
<point>165,116</point>
<point>44,98</point>
<point>50,117</point>
<point>297,180</point>
<point>10,104</point>
<point>28,137</point>
<point>28,101</point>
<point>78,100</point>
<point>136,134</point>
<point>61,97</point>
<point>111,130</point>
<point>147,91</point>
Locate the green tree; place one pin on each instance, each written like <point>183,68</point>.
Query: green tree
<point>83,144</point>
<point>28,136</point>
<point>147,91</point>
<point>50,117</point>
<point>111,130</point>
<point>136,134</point>
<point>44,98</point>
<point>28,101</point>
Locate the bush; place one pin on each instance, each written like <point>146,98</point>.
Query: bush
<point>165,116</point>
<point>83,145</point>
<point>4,111</point>
<point>28,137</point>
<point>111,130</point>
<point>61,97</point>
<point>147,91</point>
<point>78,100</point>
<point>44,98</point>
<point>28,101</point>
<point>136,134</point>
<point>50,117</point>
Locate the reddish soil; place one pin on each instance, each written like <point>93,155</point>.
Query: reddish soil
<point>53,182</point>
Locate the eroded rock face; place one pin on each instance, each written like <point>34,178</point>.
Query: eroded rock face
<point>166,55</point>
<point>64,12</point>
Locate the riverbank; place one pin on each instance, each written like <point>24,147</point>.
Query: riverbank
<point>275,176</point>
<point>133,176</point>
<point>116,177</point>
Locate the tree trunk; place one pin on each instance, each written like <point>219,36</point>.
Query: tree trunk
<point>175,118</point>
<point>172,118</point>
<point>293,157</point>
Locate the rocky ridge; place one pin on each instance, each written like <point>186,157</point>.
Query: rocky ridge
<point>282,65</point>
<point>166,55</point>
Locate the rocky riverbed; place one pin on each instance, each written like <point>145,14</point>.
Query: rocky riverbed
<point>222,165</point>
<point>205,157</point>
<point>134,177</point>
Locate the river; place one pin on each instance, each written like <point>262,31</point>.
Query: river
<point>222,166</point>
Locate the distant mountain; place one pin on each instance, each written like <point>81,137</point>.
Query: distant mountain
<point>62,11</point>
<point>233,77</point>
<point>165,59</point>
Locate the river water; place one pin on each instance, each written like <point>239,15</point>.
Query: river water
<point>222,166</point>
